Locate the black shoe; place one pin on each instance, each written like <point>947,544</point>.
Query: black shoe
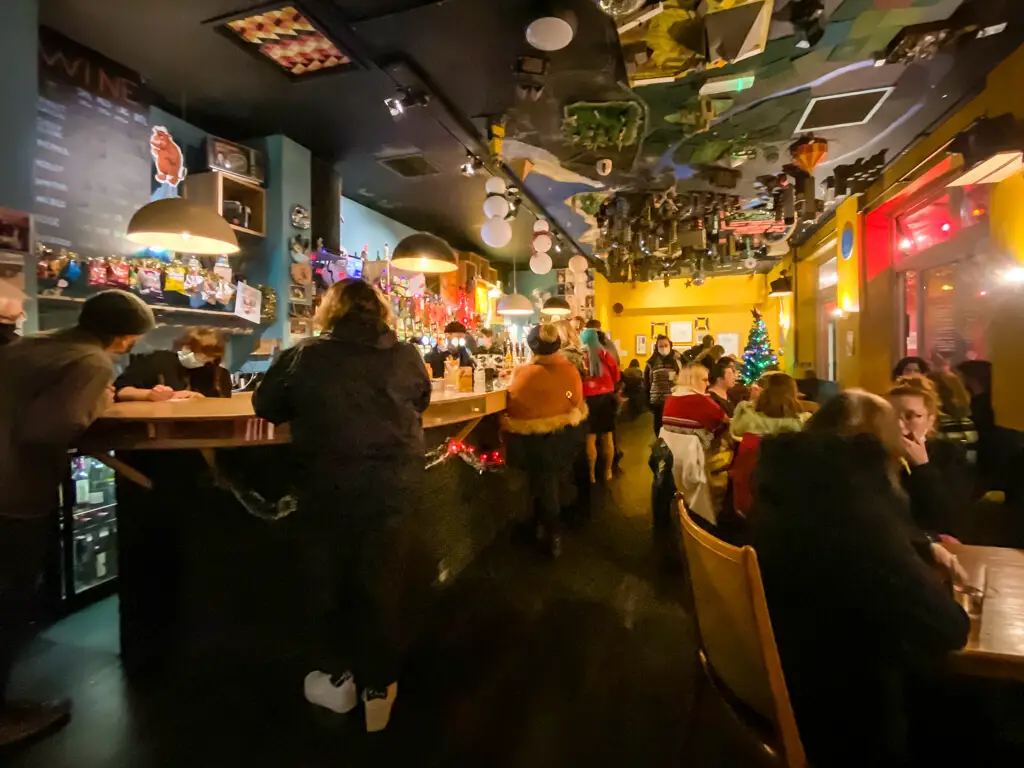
<point>20,721</point>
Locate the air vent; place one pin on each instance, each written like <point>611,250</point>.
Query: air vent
<point>842,110</point>
<point>409,166</point>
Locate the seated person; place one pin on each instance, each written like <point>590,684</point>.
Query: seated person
<point>192,369</point>
<point>453,347</point>
<point>839,560</point>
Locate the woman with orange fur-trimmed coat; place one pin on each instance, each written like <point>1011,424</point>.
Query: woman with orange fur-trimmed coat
<point>545,400</point>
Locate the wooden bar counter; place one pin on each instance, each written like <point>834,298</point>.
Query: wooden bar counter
<point>211,561</point>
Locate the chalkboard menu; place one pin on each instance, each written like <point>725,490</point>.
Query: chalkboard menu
<point>92,162</point>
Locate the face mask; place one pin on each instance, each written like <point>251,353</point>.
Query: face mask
<point>663,351</point>
<point>189,359</point>
<point>485,343</point>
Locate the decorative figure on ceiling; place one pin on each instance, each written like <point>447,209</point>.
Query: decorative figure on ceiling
<point>603,167</point>
<point>855,178</point>
<point>807,152</point>
<point>169,162</point>
<point>593,125</point>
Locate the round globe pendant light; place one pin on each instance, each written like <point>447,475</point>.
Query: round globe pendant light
<point>556,306</point>
<point>175,224</point>
<point>497,233</point>
<point>426,253</point>
<point>540,263</point>
<point>552,32</point>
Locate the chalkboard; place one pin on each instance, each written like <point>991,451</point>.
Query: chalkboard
<point>92,161</point>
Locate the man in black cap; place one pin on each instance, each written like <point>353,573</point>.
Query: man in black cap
<point>452,347</point>
<point>52,387</point>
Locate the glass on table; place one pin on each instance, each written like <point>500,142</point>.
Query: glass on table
<point>969,594</point>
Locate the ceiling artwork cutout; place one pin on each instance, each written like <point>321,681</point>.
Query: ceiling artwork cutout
<point>842,110</point>
<point>283,34</point>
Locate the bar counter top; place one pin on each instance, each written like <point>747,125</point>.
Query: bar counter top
<point>231,422</point>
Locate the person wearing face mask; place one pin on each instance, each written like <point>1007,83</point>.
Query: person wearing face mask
<point>660,376</point>
<point>935,474</point>
<point>52,387</point>
<point>453,348</point>
<point>192,369</point>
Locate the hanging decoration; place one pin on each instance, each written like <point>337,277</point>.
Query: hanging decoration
<point>578,265</point>
<point>482,462</point>
<point>168,159</point>
<point>603,166</point>
<point>540,263</point>
<point>808,152</point>
<point>496,231</point>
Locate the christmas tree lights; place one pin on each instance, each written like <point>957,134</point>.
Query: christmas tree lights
<point>758,355</point>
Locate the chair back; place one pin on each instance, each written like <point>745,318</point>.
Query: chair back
<point>736,632</point>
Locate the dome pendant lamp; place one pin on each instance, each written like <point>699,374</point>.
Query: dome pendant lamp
<point>174,224</point>
<point>556,306</point>
<point>514,304</point>
<point>425,253</point>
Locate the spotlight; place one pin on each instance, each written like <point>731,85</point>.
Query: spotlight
<point>1014,276</point>
<point>471,166</point>
<point>906,244</point>
<point>945,227</point>
<point>403,101</point>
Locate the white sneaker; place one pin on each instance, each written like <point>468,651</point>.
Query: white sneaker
<point>336,695</point>
<point>378,705</point>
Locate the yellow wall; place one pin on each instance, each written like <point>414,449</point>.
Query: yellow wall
<point>725,301</point>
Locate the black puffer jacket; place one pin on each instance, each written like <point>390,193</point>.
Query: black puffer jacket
<point>352,396</point>
<point>853,606</point>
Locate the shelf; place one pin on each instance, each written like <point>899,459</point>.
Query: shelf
<point>90,510</point>
<point>163,309</point>
<point>245,231</point>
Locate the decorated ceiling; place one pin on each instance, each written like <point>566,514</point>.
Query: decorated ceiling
<point>737,124</point>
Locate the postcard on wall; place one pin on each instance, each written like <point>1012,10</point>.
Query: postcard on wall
<point>730,343</point>
<point>247,303</point>
<point>641,344</point>
<point>681,332</point>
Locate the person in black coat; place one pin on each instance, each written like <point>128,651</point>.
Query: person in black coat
<point>934,473</point>
<point>354,398</point>
<point>854,607</point>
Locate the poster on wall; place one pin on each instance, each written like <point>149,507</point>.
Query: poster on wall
<point>730,343</point>
<point>248,301</point>
<point>92,162</point>
<point>681,332</point>
<point>641,344</point>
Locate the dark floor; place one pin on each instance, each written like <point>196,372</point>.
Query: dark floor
<point>588,661</point>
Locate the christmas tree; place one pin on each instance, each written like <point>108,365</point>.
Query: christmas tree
<point>758,355</point>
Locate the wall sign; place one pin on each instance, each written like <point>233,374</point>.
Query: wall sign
<point>92,156</point>
<point>847,241</point>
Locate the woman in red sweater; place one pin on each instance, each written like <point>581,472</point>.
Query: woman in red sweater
<point>599,389</point>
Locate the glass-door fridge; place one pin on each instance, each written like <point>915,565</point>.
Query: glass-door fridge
<point>88,527</point>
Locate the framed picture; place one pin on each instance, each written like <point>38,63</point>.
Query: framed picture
<point>286,37</point>
<point>681,332</point>
<point>703,324</point>
<point>659,329</point>
<point>15,232</point>
<point>641,344</point>
<point>234,159</point>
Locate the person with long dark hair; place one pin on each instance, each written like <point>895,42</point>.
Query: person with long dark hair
<point>354,397</point>
<point>839,558</point>
<point>599,389</point>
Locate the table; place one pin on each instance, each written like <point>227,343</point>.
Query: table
<point>997,650</point>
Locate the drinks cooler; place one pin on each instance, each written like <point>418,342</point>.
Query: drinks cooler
<point>88,534</point>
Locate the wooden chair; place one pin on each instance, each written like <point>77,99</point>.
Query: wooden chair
<point>737,645</point>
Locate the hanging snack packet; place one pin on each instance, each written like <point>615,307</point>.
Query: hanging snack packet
<point>174,277</point>
<point>97,272</point>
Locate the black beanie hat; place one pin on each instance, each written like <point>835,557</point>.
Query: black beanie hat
<point>116,313</point>
<point>540,345</point>
<point>455,327</point>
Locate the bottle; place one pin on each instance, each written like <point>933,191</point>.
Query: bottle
<point>80,477</point>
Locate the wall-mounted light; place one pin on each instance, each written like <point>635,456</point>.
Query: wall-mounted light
<point>403,101</point>
<point>783,286</point>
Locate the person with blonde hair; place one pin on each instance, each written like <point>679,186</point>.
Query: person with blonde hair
<point>840,559</point>
<point>545,400</point>
<point>571,346</point>
<point>691,422</point>
<point>354,397</point>
<point>934,471</point>
<point>955,421</point>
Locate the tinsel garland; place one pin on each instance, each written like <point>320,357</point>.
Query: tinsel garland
<point>482,462</point>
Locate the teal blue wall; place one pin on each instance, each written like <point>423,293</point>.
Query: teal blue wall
<point>364,226</point>
<point>527,282</point>
<point>19,91</point>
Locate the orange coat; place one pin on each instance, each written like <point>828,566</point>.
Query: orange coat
<point>545,395</point>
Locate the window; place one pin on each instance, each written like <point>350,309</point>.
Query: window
<point>954,313</point>
<point>939,219</point>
